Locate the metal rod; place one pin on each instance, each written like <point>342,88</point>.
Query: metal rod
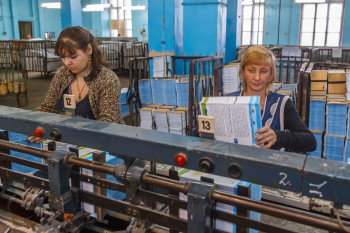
<point>280,212</point>
<point>92,165</point>
<point>25,149</point>
<point>166,183</point>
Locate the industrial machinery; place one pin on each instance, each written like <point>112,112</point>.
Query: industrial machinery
<point>49,199</point>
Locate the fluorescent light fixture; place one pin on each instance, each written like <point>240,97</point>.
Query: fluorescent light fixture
<point>310,1</point>
<point>247,2</point>
<point>96,7</point>
<point>133,8</point>
<point>93,9</point>
<point>51,5</point>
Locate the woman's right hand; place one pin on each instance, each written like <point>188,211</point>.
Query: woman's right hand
<point>34,139</point>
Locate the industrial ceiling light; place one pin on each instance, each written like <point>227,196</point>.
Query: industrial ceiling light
<point>51,5</point>
<point>310,1</point>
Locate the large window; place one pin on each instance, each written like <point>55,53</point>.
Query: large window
<point>253,22</point>
<point>321,24</point>
<point>120,14</point>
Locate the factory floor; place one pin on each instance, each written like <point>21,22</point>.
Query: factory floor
<point>37,86</point>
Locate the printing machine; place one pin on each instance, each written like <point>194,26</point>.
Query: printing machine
<point>49,199</point>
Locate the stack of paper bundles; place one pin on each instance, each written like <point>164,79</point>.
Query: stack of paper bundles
<point>291,52</point>
<point>226,185</point>
<point>177,122</point>
<point>334,147</point>
<point>147,117</point>
<point>161,119</point>
<point>317,115</point>
<point>236,118</point>
<point>348,122</point>
<point>157,91</point>
<point>145,91</point>
<point>170,92</point>
<point>182,92</point>
<point>336,111</point>
<point>347,151</point>
<point>336,82</point>
<point>347,86</point>
<point>289,90</point>
<point>162,66</point>
<point>318,135</point>
<point>319,80</point>
<point>275,87</point>
<point>230,78</point>
<point>111,160</point>
<point>171,107</point>
<point>186,114</point>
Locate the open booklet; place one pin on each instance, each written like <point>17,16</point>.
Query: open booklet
<point>236,118</point>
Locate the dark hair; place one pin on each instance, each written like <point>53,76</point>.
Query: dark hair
<point>73,38</point>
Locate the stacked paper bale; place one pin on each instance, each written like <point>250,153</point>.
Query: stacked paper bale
<point>145,91</point>
<point>177,122</point>
<point>348,85</point>
<point>230,78</point>
<point>161,119</point>
<point>289,90</point>
<point>182,92</point>
<point>347,140</point>
<point>170,97</point>
<point>162,66</point>
<point>317,108</point>
<point>157,91</point>
<point>147,116</point>
<point>336,121</point>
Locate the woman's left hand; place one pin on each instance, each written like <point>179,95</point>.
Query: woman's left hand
<point>266,137</point>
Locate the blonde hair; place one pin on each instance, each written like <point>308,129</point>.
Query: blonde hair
<point>258,55</point>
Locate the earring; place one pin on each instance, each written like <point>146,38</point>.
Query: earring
<point>89,60</point>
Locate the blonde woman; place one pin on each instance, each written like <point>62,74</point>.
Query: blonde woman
<point>282,126</point>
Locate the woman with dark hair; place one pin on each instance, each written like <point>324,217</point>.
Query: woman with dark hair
<point>85,78</point>
<point>282,126</point>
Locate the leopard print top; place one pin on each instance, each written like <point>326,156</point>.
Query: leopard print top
<point>104,94</point>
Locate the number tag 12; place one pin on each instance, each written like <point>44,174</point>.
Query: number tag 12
<point>206,124</point>
<point>70,104</point>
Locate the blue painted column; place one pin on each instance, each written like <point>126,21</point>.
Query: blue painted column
<point>282,20</point>
<point>346,25</point>
<point>271,25</point>
<point>161,27</point>
<point>204,27</point>
<point>71,13</point>
<point>231,31</point>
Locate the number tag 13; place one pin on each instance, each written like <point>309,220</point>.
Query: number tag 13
<point>69,101</point>
<point>206,124</point>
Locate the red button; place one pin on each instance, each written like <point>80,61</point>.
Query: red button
<point>38,132</point>
<point>180,159</point>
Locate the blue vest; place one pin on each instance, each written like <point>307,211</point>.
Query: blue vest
<point>273,113</point>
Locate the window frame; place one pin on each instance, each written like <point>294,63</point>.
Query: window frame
<point>255,4</point>
<point>327,21</point>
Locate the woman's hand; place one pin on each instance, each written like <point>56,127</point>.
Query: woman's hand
<point>33,139</point>
<point>266,137</point>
